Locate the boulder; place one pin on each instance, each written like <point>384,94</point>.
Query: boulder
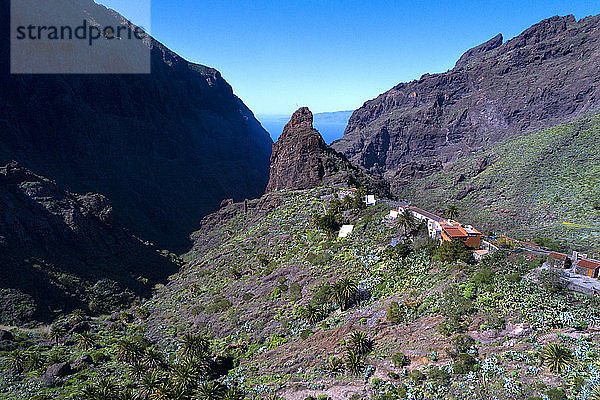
<point>56,371</point>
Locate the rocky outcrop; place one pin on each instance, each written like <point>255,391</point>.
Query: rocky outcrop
<point>301,160</point>
<point>545,76</point>
<point>56,244</point>
<point>166,148</point>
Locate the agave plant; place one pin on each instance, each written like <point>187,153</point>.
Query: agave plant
<point>343,291</point>
<point>104,389</point>
<point>556,357</point>
<point>129,350</point>
<point>354,362</point>
<point>150,383</point>
<point>360,343</point>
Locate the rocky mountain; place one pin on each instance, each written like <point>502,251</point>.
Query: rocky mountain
<point>166,147</point>
<point>301,160</point>
<point>547,75</point>
<point>55,246</point>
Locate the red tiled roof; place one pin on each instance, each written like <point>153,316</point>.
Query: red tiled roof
<point>558,256</point>
<point>454,231</point>
<point>589,264</point>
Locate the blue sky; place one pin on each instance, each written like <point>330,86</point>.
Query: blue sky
<point>333,55</point>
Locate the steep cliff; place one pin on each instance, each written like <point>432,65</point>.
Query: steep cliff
<point>56,245</point>
<point>166,148</point>
<point>301,160</point>
<point>547,75</point>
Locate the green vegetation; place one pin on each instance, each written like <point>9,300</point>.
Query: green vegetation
<point>544,184</point>
<point>307,312</point>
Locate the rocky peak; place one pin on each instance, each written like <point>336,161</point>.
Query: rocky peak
<point>302,160</point>
<point>476,52</point>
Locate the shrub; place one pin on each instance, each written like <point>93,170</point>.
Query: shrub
<point>328,224</point>
<point>336,365</point>
<point>219,304</point>
<point>318,259</point>
<point>395,313</point>
<point>439,376</point>
<point>306,333</point>
<point>455,251</point>
<point>484,276</point>
<point>400,360</point>
<point>295,291</point>
<point>550,280</point>
<point>416,375</point>
<point>462,344</point>
<point>556,394</point>
<point>464,363</point>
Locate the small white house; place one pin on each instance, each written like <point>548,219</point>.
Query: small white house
<point>370,199</point>
<point>345,230</point>
<point>394,214</point>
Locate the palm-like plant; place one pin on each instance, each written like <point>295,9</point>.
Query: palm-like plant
<point>85,341</point>
<point>57,332</point>
<point>595,395</point>
<point>104,389</point>
<point>129,350</point>
<point>407,221</point>
<point>343,291</point>
<point>153,358</point>
<point>185,374</point>
<point>451,211</point>
<point>556,357</point>
<point>360,343</point>
<point>136,370</point>
<point>233,394</point>
<point>336,365</point>
<point>150,383</point>
<point>34,360</point>
<point>17,360</point>
<point>127,394</point>
<point>354,362</point>
<point>209,391</point>
<point>312,314</point>
<point>195,345</point>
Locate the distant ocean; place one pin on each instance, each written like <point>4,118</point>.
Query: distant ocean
<point>331,125</point>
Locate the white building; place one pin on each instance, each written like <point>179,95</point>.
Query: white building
<point>434,222</point>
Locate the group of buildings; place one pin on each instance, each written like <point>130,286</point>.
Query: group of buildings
<point>447,230</point>
<point>578,263</point>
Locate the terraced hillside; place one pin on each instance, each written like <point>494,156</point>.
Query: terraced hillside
<point>543,184</point>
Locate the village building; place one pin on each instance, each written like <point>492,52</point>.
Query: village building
<point>370,200</point>
<point>434,222</point>
<point>587,267</point>
<point>345,230</point>
<point>394,214</point>
<point>558,260</point>
<point>343,193</point>
<point>470,236</point>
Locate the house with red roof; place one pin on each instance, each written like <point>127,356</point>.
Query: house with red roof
<point>452,231</point>
<point>587,267</point>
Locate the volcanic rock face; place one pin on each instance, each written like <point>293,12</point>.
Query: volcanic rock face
<point>166,148</point>
<point>53,243</point>
<point>547,75</point>
<point>301,159</point>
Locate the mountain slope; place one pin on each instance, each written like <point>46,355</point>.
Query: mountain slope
<point>547,75</point>
<point>302,160</point>
<point>166,148</point>
<point>59,249</point>
<point>546,183</point>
